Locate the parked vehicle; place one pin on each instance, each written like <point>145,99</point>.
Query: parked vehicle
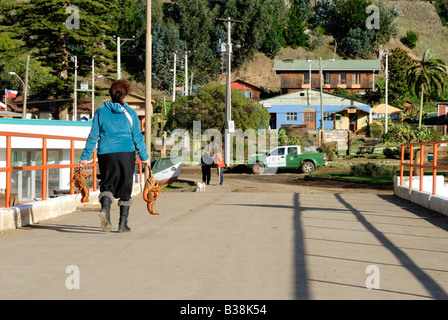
<point>287,157</point>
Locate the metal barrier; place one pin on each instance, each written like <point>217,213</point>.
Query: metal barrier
<point>44,167</point>
<point>421,162</point>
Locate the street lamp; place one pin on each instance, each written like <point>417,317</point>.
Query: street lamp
<point>387,54</point>
<point>25,93</point>
<point>228,112</point>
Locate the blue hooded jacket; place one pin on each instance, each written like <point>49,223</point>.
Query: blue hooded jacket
<point>112,130</point>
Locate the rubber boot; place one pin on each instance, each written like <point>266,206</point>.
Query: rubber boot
<point>124,214</point>
<point>106,201</point>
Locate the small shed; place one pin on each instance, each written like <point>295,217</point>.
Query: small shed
<point>379,111</point>
<point>249,90</point>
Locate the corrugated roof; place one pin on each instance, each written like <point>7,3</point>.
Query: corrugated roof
<point>327,65</point>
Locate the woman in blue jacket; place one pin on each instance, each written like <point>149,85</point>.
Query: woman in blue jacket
<point>117,131</point>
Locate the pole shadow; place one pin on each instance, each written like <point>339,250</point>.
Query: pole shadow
<point>430,285</point>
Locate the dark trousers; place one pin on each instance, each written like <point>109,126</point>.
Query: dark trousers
<point>220,176</point>
<point>206,173</point>
<point>117,173</point>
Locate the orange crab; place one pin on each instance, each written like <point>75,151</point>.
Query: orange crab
<point>79,179</point>
<point>150,193</point>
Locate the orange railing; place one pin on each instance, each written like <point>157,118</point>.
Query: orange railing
<point>421,163</point>
<point>44,167</point>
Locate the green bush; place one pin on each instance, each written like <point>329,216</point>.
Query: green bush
<point>410,39</point>
<point>396,153</point>
<point>370,169</point>
<point>376,129</point>
<point>330,149</point>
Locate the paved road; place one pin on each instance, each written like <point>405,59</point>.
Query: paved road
<point>221,244</point>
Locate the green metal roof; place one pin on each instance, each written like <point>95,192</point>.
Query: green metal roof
<point>327,65</point>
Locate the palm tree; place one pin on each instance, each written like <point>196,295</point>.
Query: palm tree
<point>425,76</point>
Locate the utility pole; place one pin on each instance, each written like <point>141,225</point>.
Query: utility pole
<point>309,88</point>
<point>75,91</point>
<point>228,126</point>
<point>26,88</point>
<point>119,43</point>
<point>186,73</point>
<point>186,54</point>
<point>148,83</point>
<point>387,54</point>
<point>321,102</point>
<point>174,77</point>
<point>93,86</point>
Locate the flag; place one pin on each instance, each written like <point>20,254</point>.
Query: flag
<point>2,106</point>
<point>11,93</point>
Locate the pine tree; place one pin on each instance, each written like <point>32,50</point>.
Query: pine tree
<point>295,35</point>
<point>49,31</point>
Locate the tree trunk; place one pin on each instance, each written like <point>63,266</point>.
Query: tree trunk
<point>421,109</point>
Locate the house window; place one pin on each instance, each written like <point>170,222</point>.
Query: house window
<point>327,78</point>
<point>248,94</point>
<point>356,78</point>
<point>395,117</point>
<point>328,116</point>
<point>377,116</point>
<point>342,78</point>
<point>291,116</point>
<point>306,78</point>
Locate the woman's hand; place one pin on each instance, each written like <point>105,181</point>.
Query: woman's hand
<point>147,162</point>
<point>82,163</point>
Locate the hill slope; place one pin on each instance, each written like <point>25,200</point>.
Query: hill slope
<point>418,16</point>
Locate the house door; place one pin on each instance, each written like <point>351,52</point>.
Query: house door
<point>273,121</point>
<point>353,122</point>
<point>309,119</point>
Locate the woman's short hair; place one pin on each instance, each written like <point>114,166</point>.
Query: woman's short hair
<point>119,90</point>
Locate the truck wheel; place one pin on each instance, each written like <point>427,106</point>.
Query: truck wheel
<point>257,168</point>
<point>308,167</point>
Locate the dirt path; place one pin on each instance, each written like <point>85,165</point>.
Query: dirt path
<point>282,181</point>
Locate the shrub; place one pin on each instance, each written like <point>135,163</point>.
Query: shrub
<point>370,169</point>
<point>396,153</point>
<point>410,39</point>
<point>330,149</point>
<point>376,129</point>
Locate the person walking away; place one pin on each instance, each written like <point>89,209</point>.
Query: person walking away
<point>116,130</point>
<point>206,164</point>
<point>219,164</point>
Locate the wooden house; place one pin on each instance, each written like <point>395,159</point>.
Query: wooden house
<point>355,76</point>
<point>250,91</point>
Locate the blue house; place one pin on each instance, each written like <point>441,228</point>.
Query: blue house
<point>304,107</point>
